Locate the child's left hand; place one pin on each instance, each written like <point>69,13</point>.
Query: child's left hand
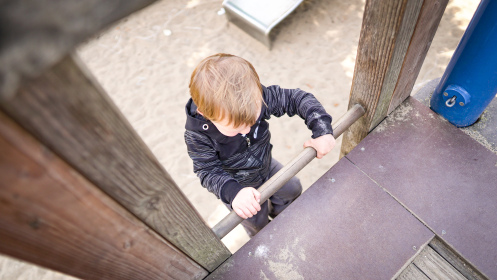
<point>323,144</point>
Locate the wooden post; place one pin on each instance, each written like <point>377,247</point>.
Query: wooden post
<point>50,215</point>
<point>426,27</point>
<point>394,40</point>
<point>69,112</point>
<point>35,34</point>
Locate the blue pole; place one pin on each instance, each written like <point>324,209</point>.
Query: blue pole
<point>470,81</point>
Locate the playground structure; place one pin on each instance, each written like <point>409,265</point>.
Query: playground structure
<point>258,22</point>
<point>88,132</point>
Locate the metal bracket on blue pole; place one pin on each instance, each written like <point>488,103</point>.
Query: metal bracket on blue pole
<point>470,81</point>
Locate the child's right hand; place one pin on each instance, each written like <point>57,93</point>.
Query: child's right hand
<point>246,202</point>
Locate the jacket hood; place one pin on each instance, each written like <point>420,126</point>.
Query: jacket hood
<point>196,122</point>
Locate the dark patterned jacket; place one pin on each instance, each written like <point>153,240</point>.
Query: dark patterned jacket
<point>225,164</point>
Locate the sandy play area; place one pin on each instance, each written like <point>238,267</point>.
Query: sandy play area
<point>144,63</point>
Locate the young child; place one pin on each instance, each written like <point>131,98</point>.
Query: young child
<point>227,135</point>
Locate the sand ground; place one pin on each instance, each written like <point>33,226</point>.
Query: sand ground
<point>144,63</point>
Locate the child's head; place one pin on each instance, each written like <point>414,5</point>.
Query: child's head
<point>226,89</point>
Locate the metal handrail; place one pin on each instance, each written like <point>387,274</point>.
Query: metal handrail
<point>274,183</point>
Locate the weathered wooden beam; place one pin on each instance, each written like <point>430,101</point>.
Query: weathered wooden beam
<point>69,112</point>
<point>401,44</point>
<point>382,44</point>
<point>391,35</point>
<point>436,267</point>
<point>51,216</point>
<point>462,265</point>
<point>426,27</point>
<point>412,272</point>
<point>35,34</point>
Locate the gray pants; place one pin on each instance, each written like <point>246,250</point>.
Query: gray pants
<point>276,203</point>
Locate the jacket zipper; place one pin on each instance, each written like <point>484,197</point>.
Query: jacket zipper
<point>247,139</point>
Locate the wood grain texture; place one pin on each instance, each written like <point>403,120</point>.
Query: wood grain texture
<point>436,267</point>
<point>402,41</point>
<point>462,265</point>
<point>51,216</point>
<point>380,28</point>
<point>412,273</point>
<point>429,18</point>
<point>69,112</point>
<point>35,34</point>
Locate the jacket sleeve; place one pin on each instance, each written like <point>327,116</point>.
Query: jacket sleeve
<point>208,167</point>
<point>296,101</point>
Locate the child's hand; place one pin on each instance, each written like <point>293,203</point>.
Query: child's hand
<point>246,202</point>
<point>323,144</point>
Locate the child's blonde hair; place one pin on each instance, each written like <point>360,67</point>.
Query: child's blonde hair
<point>227,87</point>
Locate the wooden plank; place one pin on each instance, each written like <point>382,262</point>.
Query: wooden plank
<point>69,112</point>
<point>412,273</point>
<point>429,18</point>
<point>436,267</point>
<point>51,216</point>
<point>37,33</point>
<point>402,41</point>
<point>463,266</point>
<point>386,32</point>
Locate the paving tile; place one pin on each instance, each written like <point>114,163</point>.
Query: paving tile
<point>343,227</point>
<point>442,175</point>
